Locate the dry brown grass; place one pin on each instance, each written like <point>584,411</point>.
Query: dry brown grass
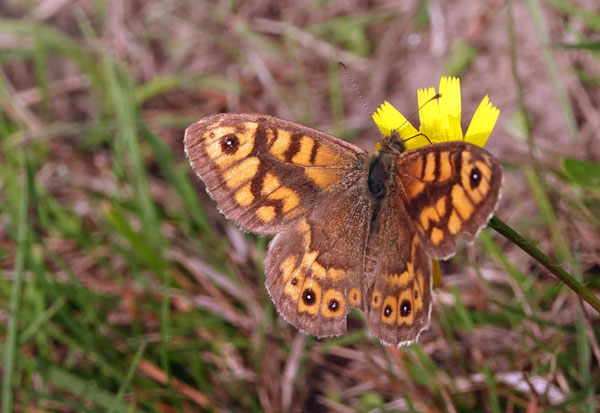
<point>94,97</point>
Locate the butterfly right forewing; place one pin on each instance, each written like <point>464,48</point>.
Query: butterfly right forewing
<point>449,191</point>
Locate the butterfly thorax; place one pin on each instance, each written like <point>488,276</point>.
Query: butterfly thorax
<point>381,165</point>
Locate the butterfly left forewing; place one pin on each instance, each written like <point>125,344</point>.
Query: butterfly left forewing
<point>264,172</point>
<point>449,190</point>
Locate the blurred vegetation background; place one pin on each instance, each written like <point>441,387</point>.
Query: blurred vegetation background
<point>123,289</point>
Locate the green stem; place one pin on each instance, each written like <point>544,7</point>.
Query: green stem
<point>543,259</point>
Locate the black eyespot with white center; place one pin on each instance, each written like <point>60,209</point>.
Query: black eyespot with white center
<point>387,311</point>
<point>405,308</point>
<point>333,305</point>
<point>475,177</point>
<point>309,297</point>
<point>230,143</point>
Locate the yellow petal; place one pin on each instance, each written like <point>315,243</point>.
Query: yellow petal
<point>387,118</point>
<point>483,122</point>
<point>440,118</point>
<point>450,108</point>
<point>429,114</point>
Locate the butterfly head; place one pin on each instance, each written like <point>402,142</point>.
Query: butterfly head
<point>393,143</point>
<point>396,144</point>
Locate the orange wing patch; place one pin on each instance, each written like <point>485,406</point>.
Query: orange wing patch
<point>333,304</point>
<point>418,293</point>
<point>289,197</point>
<point>242,172</point>
<point>281,144</point>
<point>454,223</point>
<point>461,202</point>
<point>354,297</point>
<point>376,299</point>
<point>406,313</point>
<point>414,189</point>
<point>445,166</point>
<point>388,309</point>
<point>303,156</point>
<point>310,298</point>
<point>429,173</point>
<point>324,178</point>
<point>437,236</point>
<point>266,213</point>
<point>244,196</point>
<point>325,156</point>
<point>401,280</point>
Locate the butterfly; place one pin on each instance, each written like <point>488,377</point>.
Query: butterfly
<point>352,229</point>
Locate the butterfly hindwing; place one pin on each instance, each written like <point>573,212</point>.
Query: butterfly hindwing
<point>449,190</point>
<point>315,270</point>
<point>266,172</point>
<point>400,296</point>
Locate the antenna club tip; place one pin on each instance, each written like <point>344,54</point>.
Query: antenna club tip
<point>342,66</point>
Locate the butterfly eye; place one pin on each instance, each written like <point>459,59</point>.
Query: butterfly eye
<point>475,177</point>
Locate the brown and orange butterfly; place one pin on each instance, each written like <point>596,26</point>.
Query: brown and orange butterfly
<point>352,229</point>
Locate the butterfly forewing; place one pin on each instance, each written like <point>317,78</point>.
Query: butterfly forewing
<point>449,191</point>
<point>264,172</point>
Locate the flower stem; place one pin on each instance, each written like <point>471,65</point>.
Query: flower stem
<point>543,259</point>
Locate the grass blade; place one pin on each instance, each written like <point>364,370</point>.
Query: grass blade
<point>11,351</point>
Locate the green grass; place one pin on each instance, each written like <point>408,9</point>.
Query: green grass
<point>123,289</point>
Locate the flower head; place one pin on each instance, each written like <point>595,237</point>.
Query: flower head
<point>440,118</point>
<point>440,122</point>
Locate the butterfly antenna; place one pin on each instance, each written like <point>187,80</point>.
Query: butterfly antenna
<point>342,67</point>
<point>356,90</point>
<point>434,97</point>
<point>418,134</point>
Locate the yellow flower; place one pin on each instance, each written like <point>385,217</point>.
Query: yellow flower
<point>440,122</point>
<point>440,118</point>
